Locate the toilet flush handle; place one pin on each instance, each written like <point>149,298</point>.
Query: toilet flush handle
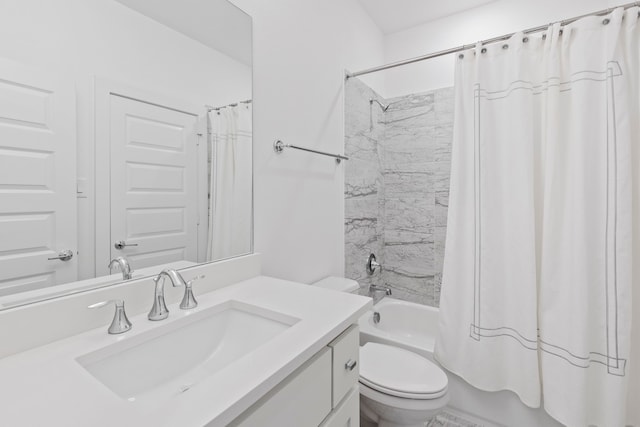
<point>350,365</point>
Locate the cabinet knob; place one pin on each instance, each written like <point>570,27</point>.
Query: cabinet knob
<point>350,365</point>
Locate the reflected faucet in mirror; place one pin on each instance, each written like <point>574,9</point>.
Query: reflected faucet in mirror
<point>122,263</point>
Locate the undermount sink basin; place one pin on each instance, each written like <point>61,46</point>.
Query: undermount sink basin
<point>172,358</point>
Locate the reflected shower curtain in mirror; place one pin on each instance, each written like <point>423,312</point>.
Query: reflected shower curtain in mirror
<point>537,282</point>
<point>230,210</point>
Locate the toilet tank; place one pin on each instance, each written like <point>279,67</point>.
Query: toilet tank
<point>341,284</point>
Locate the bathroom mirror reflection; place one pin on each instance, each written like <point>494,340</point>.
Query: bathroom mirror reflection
<point>125,131</point>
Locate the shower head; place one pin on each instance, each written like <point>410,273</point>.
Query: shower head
<point>383,106</point>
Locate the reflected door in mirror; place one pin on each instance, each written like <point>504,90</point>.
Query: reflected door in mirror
<point>37,179</point>
<point>153,176</point>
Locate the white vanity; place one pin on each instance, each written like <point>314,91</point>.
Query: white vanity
<point>259,352</point>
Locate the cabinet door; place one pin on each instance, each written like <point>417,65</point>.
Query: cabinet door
<point>346,359</point>
<point>348,413</point>
<point>302,400</point>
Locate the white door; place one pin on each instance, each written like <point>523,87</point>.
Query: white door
<point>153,175</point>
<point>37,179</point>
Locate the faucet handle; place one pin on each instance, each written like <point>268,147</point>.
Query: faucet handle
<point>188,300</point>
<point>120,322</point>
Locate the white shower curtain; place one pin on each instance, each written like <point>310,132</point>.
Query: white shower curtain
<point>536,295</point>
<point>230,209</point>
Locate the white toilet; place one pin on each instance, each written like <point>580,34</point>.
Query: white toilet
<point>398,388</point>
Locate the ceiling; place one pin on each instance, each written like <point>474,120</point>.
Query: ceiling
<point>397,15</point>
<point>215,23</point>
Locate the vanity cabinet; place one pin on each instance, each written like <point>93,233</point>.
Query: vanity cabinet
<point>322,392</point>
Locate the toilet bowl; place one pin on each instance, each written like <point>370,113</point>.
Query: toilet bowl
<point>398,388</point>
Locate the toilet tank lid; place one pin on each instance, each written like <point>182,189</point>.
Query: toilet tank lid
<point>341,284</point>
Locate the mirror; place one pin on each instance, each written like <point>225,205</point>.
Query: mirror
<point>125,131</point>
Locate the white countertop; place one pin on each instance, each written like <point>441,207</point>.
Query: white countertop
<point>47,386</point>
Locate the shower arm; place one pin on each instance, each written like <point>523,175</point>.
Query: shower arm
<point>383,106</point>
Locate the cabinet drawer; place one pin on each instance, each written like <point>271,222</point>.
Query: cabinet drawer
<point>346,362</point>
<point>302,400</point>
<point>348,413</point>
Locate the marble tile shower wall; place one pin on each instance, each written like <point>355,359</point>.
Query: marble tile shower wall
<point>364,231</point>
<point>403,158</point>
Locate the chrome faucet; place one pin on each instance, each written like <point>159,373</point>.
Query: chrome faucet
<point>159,311</point>
<point>374,289</point>
<point>124,266</point>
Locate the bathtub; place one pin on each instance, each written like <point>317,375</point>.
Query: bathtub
<point>414,327</point>
<point>403,324</point>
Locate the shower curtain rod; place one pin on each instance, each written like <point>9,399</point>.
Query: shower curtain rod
<point>210,108</point>
<point>484,42</point>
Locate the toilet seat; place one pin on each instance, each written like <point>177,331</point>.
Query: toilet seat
<point>401,373</point>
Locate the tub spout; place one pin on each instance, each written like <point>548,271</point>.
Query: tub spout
<point>374,291</point>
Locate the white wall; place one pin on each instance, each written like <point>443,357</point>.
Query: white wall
<point>301,48</point>
<point>481,23</point>
<point>85,38</point>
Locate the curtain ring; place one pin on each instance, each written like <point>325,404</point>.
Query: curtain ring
<point>483,50</point>
<point>605,21</point>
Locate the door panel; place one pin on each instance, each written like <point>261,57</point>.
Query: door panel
<point>153,182</point>
<point>37,179</point>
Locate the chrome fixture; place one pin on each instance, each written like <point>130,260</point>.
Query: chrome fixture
<point>120,322</point>
<point>234,104</point>
<point>159,310</point>
<point>373,291</point>
<point>279,147</point>
<point>376,288</point>
<point>350,365</point>
<point>122,263</point>
<point>121,244</point>
<point>65,255</point>
<point>371,264</point>
<point>376,317</point>
<point>383,106</point>
<point>188,300</point>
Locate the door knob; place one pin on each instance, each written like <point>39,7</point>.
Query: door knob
<point>63,256</point>
<point>121,244</point>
